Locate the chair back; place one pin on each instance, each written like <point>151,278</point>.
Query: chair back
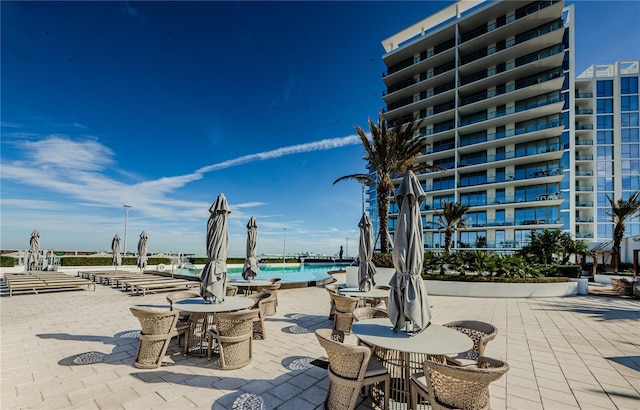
<point>158,327</point>
<point>347,368</point>
<point>155,322</point>
<point>231,290</point>
<point>234,333</point>
<point>465,388</point>
<point>275,280</point>
<point>344,304</point>
<point>173,297</point>
<point>480,332</point>
<point>363,313</point>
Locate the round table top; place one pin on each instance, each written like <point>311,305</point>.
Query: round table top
<point>230,304</point>
<point>372,293</point>
<point>435,339</point>
<point>242,282</point>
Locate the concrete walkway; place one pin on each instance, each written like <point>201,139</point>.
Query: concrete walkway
<point>76,350</point>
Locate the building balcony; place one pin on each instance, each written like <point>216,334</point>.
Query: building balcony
<point>580,96</point>
<point>584,112</point>
<point>584,157</point>
<point>584,219</point>
<point>583,235</point>
<point>584,173</point>
<point>584,142</point>
<point>584,204</point>
<point>584,126</point>
<point>584,188</point>
<point>508,156</point>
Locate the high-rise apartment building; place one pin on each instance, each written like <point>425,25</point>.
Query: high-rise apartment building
<point>607,146</point>
<point>493,83</point>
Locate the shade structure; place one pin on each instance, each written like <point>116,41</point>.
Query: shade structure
<point>34,250</point>
<point>214,274</point>
<point>250,268</point>
<point>408,307</point>
<point>142,251</point>
<point>366,270</point>
<point>116,258</point>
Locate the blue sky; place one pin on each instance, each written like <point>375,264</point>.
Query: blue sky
<point>164,105</point>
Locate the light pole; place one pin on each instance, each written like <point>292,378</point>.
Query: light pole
<point>347,248</point>
<point>126,219</point>
<point>284,245</point>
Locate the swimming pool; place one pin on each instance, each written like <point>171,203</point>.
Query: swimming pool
<point>289,274</point>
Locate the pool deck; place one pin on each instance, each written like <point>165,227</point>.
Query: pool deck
<point>76,349</point>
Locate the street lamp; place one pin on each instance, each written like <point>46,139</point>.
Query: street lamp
<point>347,248</point>
<point>284,246</point>
<point>126,219</point>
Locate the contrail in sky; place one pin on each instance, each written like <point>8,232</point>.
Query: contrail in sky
<point>321,145</point>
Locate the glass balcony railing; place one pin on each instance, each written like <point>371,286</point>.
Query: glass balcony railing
<point>588,204</point>
<point>584,188</point>
<point>584,173</point>
<point>584,142</point>
<point>533,104</point>
<point>584,157</point>
<point>472,181</point>
<point>584,126</point>
<point>584,234</point>
<point>506,155</point>
<point>584,112</point>
<point>584,95</point>
<point>507,133</point>
<point>584,219</point>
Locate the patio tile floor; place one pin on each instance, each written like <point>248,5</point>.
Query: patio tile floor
<point>76,350</point>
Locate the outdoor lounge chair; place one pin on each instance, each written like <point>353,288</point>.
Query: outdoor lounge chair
<point>480,332</point>
<point>351,368</point>
<point>234,336</point>
<point>158,327</point>
<point>345,305</point>
<point>455,387</point>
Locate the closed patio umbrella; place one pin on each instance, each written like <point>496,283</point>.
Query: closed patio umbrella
<point>34,250</point>
<point>214,274</point>
<point>367,269</point>
<point>142,251</point>
<point>116,258</point>
<point>250,268</point>
<point>408,299</point>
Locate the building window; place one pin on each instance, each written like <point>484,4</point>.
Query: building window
<point>629,85</point>
<point>629,119</point>
<point>629,103</point>
<point>605,121</point>
<point>605,137</point>
<point>630,151</point>
<point>605,106</point>
<point>605,88</point>
<point>630,135</point>
<point>605,153</point>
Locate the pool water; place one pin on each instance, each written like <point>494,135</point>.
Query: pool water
<point>289,274</point>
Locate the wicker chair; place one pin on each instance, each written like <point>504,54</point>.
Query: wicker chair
<point>173,297</point>
<point>270,302</point>
<point>345,305</point>
<point>275,281</point>
<point>363,313</point>
<point>332,289</point>
<point>273,288</point>
<point>157,329</point>
<point>231,290</point>
<point>350,368</point>
<point>262,300</point>
<point>455,387</point>
<point>234,336</point>
<point>480,332</point>
<point>195,332</point>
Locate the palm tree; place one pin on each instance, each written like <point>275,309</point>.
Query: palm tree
<point>451,218</point>
<point>388,152</point>
<point>620,212</point>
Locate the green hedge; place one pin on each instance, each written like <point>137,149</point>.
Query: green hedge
<point>7,261</point>
<point>479,278</point>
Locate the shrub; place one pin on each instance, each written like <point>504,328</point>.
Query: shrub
<point>495,279</point>
<point>382,260</point>
<point>7,261</point>
<point>106,261</point>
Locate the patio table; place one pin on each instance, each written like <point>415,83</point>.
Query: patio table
<point>247,285</point>
<point>403,354</point>
<point>363,296</point>
<point>198,335</point>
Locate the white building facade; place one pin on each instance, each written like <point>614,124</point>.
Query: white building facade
<point>491,82</point>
